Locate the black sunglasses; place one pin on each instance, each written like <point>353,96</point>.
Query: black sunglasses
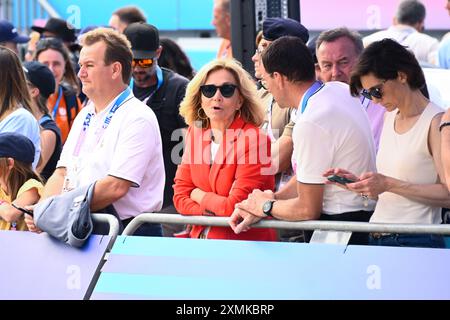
<point>226,90</point>
<point>374,92</point>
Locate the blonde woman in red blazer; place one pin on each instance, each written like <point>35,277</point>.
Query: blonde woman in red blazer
<point>226,156</point>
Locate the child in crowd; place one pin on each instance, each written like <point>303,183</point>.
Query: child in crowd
<point>20,186</point>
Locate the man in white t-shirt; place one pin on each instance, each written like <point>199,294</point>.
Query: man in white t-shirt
<point>331,128</point>
<point>115,139</point>
<point>407,29</point>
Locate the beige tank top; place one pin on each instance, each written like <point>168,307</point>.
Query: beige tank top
<point>406,157</point>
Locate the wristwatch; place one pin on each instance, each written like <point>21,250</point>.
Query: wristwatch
<point>267,208</point>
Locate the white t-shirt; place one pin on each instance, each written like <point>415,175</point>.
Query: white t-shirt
<point>333,132</point>
<point>214,149</point>
<point>23,122</point>
<point>425,48</point>
<point>130,148</point>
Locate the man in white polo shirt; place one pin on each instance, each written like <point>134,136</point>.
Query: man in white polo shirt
<point>115,139</point>
<point>331,128</point>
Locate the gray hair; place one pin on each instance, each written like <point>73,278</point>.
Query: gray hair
<point>334,34</point>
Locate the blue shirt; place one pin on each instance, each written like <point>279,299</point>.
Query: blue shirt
<point>444,54</point>
<point>23,122</point>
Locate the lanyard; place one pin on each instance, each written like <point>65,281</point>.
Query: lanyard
<point>160,81</point>
<point>316,86</point>
<point>56,107</point>
<point>117,104</point>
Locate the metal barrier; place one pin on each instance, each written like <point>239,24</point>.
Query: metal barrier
<point>113,225</point>
<point>300,225</point>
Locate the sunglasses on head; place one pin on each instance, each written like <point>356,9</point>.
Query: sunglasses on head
<point>226,90</point>
<point>374,92</point>
<point>47,43</point>
<point>143,63</point>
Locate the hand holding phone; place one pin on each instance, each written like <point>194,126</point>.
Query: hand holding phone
<point>22,209</point>
<point>339,179</point>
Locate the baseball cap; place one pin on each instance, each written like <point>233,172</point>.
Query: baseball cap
<point>41,77</point>
<point>9,33</point>
<point>274,28</point>
<point>16,146</point>
<point>144,39</point>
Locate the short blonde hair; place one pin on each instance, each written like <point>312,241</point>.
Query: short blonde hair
<point>251,110</point>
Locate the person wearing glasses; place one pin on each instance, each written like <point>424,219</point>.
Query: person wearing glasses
<point>114,140</point>
<point>64,31</point>
<point>337,51</point>
<point>162,90</point>
<point>331,130</point>
<point>279,122</point>
<point>409,185</point>
<point>63,105</point>
<point>226,154</point>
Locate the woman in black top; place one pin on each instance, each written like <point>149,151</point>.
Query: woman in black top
<point>41,84</point>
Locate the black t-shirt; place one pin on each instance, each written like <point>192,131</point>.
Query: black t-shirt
<point>143,93</point>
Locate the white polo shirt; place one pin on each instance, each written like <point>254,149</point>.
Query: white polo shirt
<point>129,148</point>
<point>424,47</point>
<point>333,132</point>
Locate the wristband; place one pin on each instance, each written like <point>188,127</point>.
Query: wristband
<point>443,124</point>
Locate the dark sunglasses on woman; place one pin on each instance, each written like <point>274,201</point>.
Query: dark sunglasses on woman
<point>226,90</point>
<point>374,92</point>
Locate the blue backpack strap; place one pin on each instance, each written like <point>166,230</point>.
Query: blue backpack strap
<point>44,119</point>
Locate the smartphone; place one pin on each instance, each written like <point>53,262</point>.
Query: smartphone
<point>22,209</point>
<point>339,179</point>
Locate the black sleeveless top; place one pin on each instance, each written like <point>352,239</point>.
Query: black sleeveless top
<point>49,124</point>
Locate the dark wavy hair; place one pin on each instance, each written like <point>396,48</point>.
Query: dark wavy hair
<point>173,58</point>
<point>385,59</point>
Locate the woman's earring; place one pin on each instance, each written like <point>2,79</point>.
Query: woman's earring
<point>199,116</point>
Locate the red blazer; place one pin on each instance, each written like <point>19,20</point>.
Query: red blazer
<point>239,168</point>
